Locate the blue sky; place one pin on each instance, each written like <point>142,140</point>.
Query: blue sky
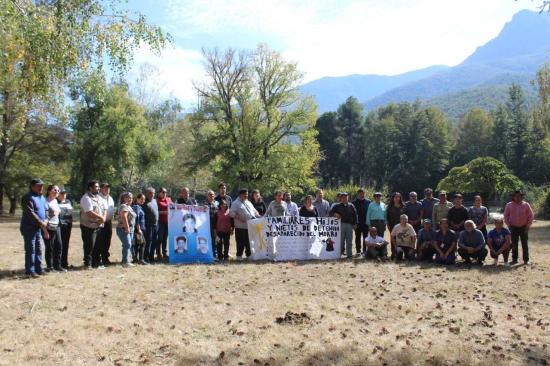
<point>325,37</point>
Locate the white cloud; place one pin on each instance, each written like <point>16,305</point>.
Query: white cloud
<point>177,67</point>
<point>331,37</point>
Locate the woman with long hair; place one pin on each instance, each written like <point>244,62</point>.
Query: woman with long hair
<point>53,243</point>
<point>126,224</point>
<point>307,209</point>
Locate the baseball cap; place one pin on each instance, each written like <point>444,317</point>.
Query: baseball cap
<point>377,194</point>
<point>37,181</point>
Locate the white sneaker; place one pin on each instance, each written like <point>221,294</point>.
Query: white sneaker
<point>506,264</point>
<point>239,258</point>
<point>126,265</point>
<point>495,261</point>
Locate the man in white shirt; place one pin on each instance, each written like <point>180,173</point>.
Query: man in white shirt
<point>292,207</point>
<point>377,247</point>
<point>321,204</point>
<point>106,232</point>
<point>241,211</point>
<point>92,218</point>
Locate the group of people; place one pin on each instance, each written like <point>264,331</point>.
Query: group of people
<point>429,229</point>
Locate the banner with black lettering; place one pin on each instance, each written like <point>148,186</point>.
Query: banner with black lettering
<point>294,238</point>
<point>189,239</point>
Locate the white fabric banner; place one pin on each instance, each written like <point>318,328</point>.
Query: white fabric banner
<point>294,238</point>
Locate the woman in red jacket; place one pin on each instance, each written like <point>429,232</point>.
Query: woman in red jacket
<point>163,202</point>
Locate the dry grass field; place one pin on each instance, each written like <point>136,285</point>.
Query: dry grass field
<point>315,313</point>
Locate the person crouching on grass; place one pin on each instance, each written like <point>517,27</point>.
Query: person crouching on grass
<point>377,247</point>
<point>403,238</point>
<point>471,244</point>
<point>426,241</point>
<point>499,242</point>
<point>126,226</point>
<point>445,245</point>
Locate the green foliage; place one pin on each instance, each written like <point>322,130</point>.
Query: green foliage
<point>113,140</point>
<point>474,137</point>
<point>253,128</point>
<point>486,176</point>
<point>407,146</point>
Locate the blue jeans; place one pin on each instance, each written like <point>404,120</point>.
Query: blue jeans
<point>33,251</point>
<point>126,240</point>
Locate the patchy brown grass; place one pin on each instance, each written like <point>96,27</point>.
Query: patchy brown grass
<point>347,313</point>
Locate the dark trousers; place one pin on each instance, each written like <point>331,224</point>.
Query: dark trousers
<point>360,234</point>
<point>223,245</point>
<point>33,250</point>
<point>104,241</point>
<point>65,239</point>
<point>137,252</point>
<point>53,248</point>
<point>505,255</point>
<point>377,252</point>
<point>479,255</point>
<point>213,241</point>
<point>406,252</point>
<point>243,244</point>
<point>426,252</point>
<point>89,240</point>
<point>517,234</point>
<point>151,235</point>
<point>162,242</point>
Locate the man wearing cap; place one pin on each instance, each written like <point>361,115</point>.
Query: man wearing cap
<point>413,209</point>
<point>33,223</point>
<point>105,234</point>
<point>241,211</point>
<point>321,204</point>
<point>428,203</point>
<point>362,231</point>
<point>425,241</point>
<point>65,224</point>
<point>471,243</point>
<point>458,214</point>
<point>441,209</point>
<point>347,214</point>
<point>518,215</point>
<point>376,214</point>
<point>151,210</point>
<point>92,217</point>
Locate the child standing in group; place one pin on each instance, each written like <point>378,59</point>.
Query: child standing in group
<point>224,230</point>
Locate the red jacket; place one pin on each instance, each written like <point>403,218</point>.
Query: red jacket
<point>163,208</point>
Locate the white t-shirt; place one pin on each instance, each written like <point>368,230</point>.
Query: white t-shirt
<point>404,236</point>
<point>376,240</point>
<point>108,205</point>
<point>86,203</point>
<point>292,209</point>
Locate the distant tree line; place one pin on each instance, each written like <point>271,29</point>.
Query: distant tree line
<point>409,146</point>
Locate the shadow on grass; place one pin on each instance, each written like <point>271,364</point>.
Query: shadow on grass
<point>372,355</point>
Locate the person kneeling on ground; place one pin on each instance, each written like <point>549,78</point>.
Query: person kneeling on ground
<point>445,244</point>
<point>426,241</point>
<point>471,243</point>
<point>377,247</point>
<point>403,238</point>
<point>499,241</point>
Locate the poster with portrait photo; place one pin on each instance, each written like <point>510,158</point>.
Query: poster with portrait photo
<point>189,239</point>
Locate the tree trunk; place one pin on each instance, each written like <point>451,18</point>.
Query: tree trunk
<point>1,199</point>
<point>13,205</point>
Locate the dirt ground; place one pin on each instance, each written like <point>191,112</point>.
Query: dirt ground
<point>295,313</point>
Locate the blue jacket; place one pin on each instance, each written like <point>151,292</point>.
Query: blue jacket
<point>140,216</point>
<point>35,210</point>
